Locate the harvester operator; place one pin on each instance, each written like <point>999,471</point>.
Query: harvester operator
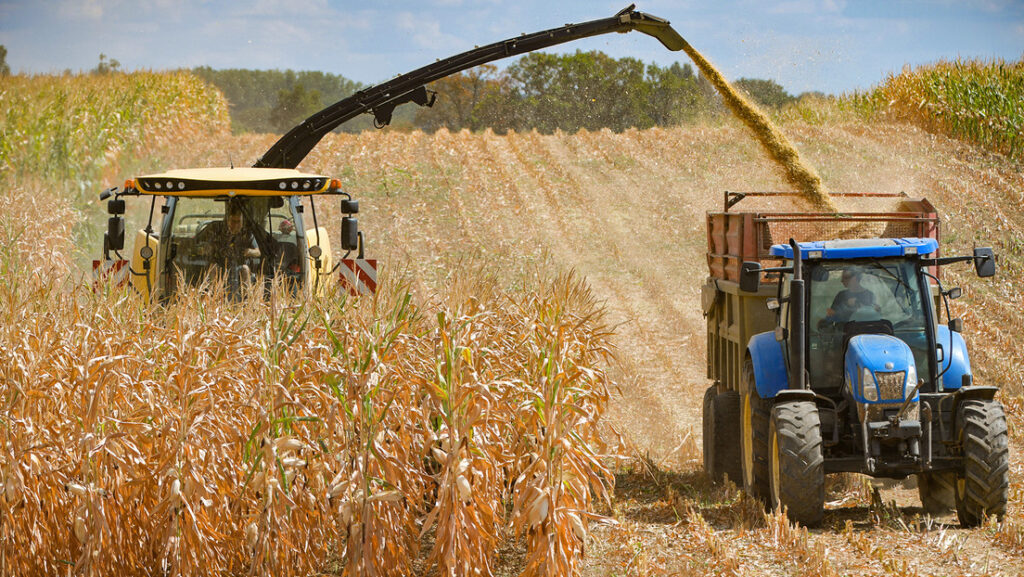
<point>228,242</point>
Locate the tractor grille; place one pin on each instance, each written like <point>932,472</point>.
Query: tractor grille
<point>882,411</point>
<point>890,385</point>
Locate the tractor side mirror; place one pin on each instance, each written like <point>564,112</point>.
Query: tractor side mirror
<point>115,233</point>
<point>750,276</point>
<point>349,206</point>
<point>349,233</point>
<point>985,262</point>
<point>954,293</point>
<point>956,325</point>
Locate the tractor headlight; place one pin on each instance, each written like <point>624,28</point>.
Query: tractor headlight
<point>868,389</point>
<point>908,386</point>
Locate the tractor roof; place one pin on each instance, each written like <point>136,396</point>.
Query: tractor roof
<point>214,182</point>
<point>859,248</point>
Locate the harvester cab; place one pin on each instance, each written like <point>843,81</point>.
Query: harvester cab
<point>245,226</point>
<point>842,356</point>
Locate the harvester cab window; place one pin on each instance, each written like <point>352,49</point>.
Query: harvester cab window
<point>242,239</point>
<point>878,296</point>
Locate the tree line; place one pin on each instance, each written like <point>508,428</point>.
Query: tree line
<point>546,92</point>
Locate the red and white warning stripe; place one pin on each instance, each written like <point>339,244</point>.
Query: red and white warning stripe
<point>110,271</point>
<point>358,275</point>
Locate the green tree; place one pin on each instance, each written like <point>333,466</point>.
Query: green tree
<point>5,70</point>
<point>765,92</point>
<point>459,97</point>
<point>293,106</point>
<point>252,94</point>
<point>106,66</point>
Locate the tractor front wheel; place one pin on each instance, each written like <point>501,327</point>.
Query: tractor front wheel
<point>982,487</point>
<point>796,464</point>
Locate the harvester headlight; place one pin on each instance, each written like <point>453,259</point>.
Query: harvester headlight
<point>282,185</point>
<point>911,381</point>
<point>868,389</point>
<point>170,185</point>
<point>295,184</point>
<point>306,185</point>
<point>181,185</point>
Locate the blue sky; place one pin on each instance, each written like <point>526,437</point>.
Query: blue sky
<point>828,45</point>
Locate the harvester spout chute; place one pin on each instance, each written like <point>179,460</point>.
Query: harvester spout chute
<point>381,100</point>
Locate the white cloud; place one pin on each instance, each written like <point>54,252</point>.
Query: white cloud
<point>88,9</point>
<point>426,33</point>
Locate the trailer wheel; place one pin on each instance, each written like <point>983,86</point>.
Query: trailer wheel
<point>754,416</point>
<point>797,467</point>
<point>722,451</point>
<point>982,486</point>
<point>937,492</point>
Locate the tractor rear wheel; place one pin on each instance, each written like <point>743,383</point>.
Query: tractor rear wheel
<point>722,452</point>
<point>937,492</point>
<point>754,416</point>
<point>797,466</point>
<point>982,487</point>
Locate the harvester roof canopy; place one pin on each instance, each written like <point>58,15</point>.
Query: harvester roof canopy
<point>246,181</point>
<point>859,248</point>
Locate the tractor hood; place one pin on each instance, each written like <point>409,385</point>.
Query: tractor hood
<point>882,362</point>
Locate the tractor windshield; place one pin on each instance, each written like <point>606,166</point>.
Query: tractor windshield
<point>241,240</point>
<point>880,296</point>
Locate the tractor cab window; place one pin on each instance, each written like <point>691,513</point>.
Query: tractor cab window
<point>242,240</point>
<point>878,296</point>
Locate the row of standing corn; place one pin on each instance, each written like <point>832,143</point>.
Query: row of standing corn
<point>978,101</point>
<point>368,438</point>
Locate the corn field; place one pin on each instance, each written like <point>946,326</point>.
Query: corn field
<point>357,437</point>
<point>974,100</point>
<point>471,417</point>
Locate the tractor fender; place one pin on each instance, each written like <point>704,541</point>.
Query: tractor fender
<point>770,374</point>
<point>955,363</point>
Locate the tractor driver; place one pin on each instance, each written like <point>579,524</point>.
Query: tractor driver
<point>851,299</point>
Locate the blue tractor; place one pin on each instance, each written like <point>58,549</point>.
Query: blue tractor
<point>859,375</point>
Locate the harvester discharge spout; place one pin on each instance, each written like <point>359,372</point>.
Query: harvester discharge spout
<point>381,100</point>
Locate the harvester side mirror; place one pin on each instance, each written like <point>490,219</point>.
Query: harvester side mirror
<point>985,262</point>
<point>349,233</point>
<point>115,233</point>
<point>956,325</point>
<point>954,293</point>
<point>349,206</point>
<point>115,206</point>
<point>750,276</point>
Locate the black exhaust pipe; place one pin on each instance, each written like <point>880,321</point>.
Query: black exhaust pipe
<point>797,322</point>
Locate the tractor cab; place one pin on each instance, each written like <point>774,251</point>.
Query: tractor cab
<point>239,226</point>
<point>862,295</point>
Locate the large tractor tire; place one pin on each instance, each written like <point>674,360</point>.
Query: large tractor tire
<point>722,451</point>
<point>797,466</point>
<point>937,492</point>
<point>754,415</point>
<point>982,487</point>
